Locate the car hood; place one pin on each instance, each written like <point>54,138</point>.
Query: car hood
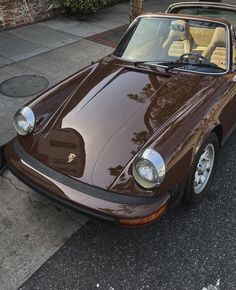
<point>109,117</point>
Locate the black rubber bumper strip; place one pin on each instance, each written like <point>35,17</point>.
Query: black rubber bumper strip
<point>65,202</point>
<point>80,186</point>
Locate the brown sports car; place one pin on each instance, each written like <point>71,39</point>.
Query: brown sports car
<point>128,137</point>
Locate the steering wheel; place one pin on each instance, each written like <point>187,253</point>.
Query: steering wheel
<point>195,56</point>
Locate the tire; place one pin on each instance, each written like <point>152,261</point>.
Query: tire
<point>203,170</point>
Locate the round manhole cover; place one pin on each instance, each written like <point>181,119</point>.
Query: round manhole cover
<point>23,86</point>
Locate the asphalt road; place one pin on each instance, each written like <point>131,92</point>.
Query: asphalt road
<point>189,248</point>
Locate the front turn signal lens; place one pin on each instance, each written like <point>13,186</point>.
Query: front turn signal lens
<point>145,220</point>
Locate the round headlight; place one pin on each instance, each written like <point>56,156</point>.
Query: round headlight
<point>24,121</point>
<point>149,169</point>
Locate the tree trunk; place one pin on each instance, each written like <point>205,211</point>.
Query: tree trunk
<point>136,8</point>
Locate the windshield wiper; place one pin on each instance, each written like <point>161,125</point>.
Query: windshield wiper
<point>148,62</point>
<point>147,66</point>
<point>166,64</point>
<point>173,64</point>
<point>176,64</point>
<point>185,60</point>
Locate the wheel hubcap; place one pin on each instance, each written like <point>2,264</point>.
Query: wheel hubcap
<point>204,169</point>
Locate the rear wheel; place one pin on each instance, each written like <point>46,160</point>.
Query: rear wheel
<point>203,170</point>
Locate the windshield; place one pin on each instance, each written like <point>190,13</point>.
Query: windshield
<point>166,40</point>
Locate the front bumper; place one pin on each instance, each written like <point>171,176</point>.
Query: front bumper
<point>90,200</point>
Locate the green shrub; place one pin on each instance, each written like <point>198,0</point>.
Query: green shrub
<point>85,7</point>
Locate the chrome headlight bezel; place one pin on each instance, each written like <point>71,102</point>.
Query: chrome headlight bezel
<point>155,161</point>
<point>24,121</point>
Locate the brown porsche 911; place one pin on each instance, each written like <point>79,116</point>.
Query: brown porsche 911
<point>130,136</point>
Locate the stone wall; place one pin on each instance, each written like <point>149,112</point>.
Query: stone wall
<point>19,12</point>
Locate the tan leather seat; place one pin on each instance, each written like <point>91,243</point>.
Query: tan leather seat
<point>216,50</point>
<point>179,40</point>
<point>234,55</point>
<point>201,37</point>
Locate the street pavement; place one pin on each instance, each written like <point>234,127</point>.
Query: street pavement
<point>44,246</point>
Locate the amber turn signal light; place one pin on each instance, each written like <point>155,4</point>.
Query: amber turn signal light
<point>142,221</point>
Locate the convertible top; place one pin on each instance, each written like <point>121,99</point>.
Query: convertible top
<point>206,4</point>
<point>206,9</point>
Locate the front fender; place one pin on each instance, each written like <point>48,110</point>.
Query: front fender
<point>178,144</point>
<point>51,101</point>
<point>212,127</point>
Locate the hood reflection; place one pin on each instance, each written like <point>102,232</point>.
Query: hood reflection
<point>63,150</point>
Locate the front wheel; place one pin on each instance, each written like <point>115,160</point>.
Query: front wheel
<point>203,170</point>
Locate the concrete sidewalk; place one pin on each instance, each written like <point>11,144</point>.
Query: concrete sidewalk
<point>31,227</point>
<point>28,41</point>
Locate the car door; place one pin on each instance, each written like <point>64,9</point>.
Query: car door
<point>233,81</point>
<point>230,109</point>
<point>227,93</point>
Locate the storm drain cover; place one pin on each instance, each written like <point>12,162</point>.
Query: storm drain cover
<point>23,86</point>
